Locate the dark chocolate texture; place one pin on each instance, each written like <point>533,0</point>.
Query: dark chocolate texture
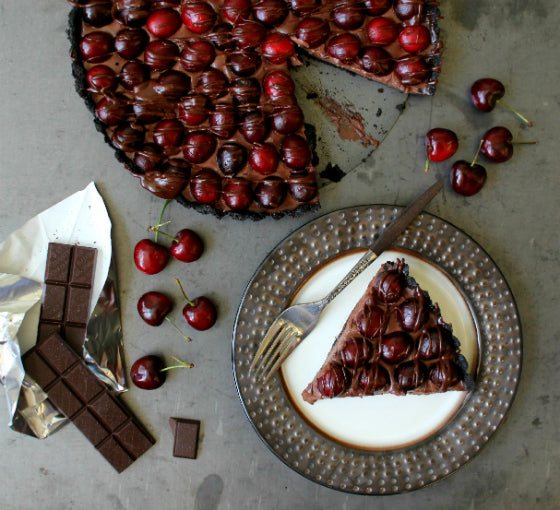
<point>150,92</point>
<point>69,275</point>
<point>77,393</point>
<point>185,437</point>
<point>394,341</point>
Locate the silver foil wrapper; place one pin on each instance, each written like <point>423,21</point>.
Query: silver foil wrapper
<point>31,411</point>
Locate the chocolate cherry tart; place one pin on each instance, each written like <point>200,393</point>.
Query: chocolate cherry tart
<point>394,341</point>
<point>197,98</point>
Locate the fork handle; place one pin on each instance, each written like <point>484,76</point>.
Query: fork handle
<point>367,258</point>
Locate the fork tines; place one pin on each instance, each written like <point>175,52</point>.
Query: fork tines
<point>274,349</point>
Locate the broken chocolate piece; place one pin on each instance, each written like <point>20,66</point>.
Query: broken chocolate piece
<point>185,434</point>
<point>69,277</point>
<point>77,393</point>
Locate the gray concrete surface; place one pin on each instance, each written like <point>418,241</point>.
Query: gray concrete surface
<point>49,149</point>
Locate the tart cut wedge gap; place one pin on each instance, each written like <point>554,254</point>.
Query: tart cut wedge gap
<point>393,342</point>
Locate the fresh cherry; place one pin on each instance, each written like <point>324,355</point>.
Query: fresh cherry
<point>287,119</point>
<point>407,9</point>
<point>348,15</point>
<point>161,55</point>
<point>248,34</point>
<point>441,144</point>
<point>213,83</point>
<point>410,375</point>
<point>304,8</point>
<point>334,381</point>
<point>231,158</point>
<point>295,152</point>
<point>150,257</point>
<point>194,109</point>
<point>197,55</point>
<point>235,10</point>
<point>198,16</point>
<point>344,47</point>
<point>270,12</point>
<point>497,144</point>
<point>168,134</point>
<point>313,31</point>
<point>243,63</point>
<point>223,120</point>
<point>97,14</point>
<point>153,307</point>
<point>132,13</point>
<point>163,22</point>
<point>382,31</point>
<point>111,111</point>
<point>245,91</point>
<point>199,146</point>
<point>277,84</point>
<point>376,61</point>
<point>237,193</point>
<point>130,42</point>
<point>148,372</point>
<point>187,246</point>
<point>101,79</point>
<point>173,84</point>
<point>134,73</point>
<point>206,186</point>
<point>487,92</point>
<point>467,179</point>
<point>302,187</point>
<point>277,48</point>
<point>263,158</point>
<point>254,127</point>
<point>414,38</point>
<point>395,347</point>
<point>271,192</point>
<point>377,7</point>
<point>200,313</point>
<point>411,70</point>
<point>96,47</point>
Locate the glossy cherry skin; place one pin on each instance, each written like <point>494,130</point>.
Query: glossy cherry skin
<point>407,9</point>
<point>271,192</point>
<point>237,193</point>
<point>153,307</point>
<point>382,31</point>
<point>344,47</point>
<point>96,47</point>
<point>199,17</point>
<point>188,246</point>
<point>295,152</point>
<point>263,158</point>
<point>356,352</point>
<point>150,257</point>
<point>163,22</point>
<point>277,48</point>
<point>485,92</point>
<point>467,179</point>
<point>396,347</point>
<point>277,84</point>
<point>101,78</point>
<point>161,55</point>
<point>199,146</point>
<point>414,38</point>
<point>206,186</point>
<point>496,144</point>
<point>411,70</point>
<point>333,382</point>
<point>377,7</point>
<point>97,14</point>
<point>348,15</point>
<point>441,144</point>
<point>376,61</point>
<point>410,376</point>
<point>134,73</point>
<point>313,31</point>
<point>146,372</point>
<point>201,314</point>
<point>235,10</point>
<point>270,12</point>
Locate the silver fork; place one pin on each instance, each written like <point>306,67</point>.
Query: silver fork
<point>293,324</point>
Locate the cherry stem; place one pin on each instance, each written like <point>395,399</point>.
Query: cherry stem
<point>522,117</point>
<point>524,143</point>
<point>183,291</point>
<point>428,147</point>
<point>161,217</point>
<point>188,339</point>
<point>477,153</point>
<point>181,364</point>
<point>156,229</point>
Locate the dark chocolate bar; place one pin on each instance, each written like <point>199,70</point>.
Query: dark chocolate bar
<point>77,393</point>
<point>185,434</point>
<point>69,277</point>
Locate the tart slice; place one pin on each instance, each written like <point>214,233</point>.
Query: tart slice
<point>394,341</point>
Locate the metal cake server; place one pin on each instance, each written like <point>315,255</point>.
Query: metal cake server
<point>293,324</point>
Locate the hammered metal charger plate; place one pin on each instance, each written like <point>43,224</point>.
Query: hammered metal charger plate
<point>340,466</point>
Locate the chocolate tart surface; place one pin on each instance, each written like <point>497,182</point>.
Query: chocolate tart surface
<point>394,341</point>
<point>196,96</point>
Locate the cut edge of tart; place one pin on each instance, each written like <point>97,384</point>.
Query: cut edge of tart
<point>393,342</point>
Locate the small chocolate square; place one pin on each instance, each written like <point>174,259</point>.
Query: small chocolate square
<point>185,432</point>
<point>109,411</point>
<point>115,454</point>
<point>83,266</point>
<point>63,399</point>
<point>77,305</point>
<point>56,353</point>
<point>134,439</point>
<point>58,262</point>
<point>38,370</point>
<point>90,427</point>
<point>52,308</point>
<point>82,382</point>
<point>75,337</point>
